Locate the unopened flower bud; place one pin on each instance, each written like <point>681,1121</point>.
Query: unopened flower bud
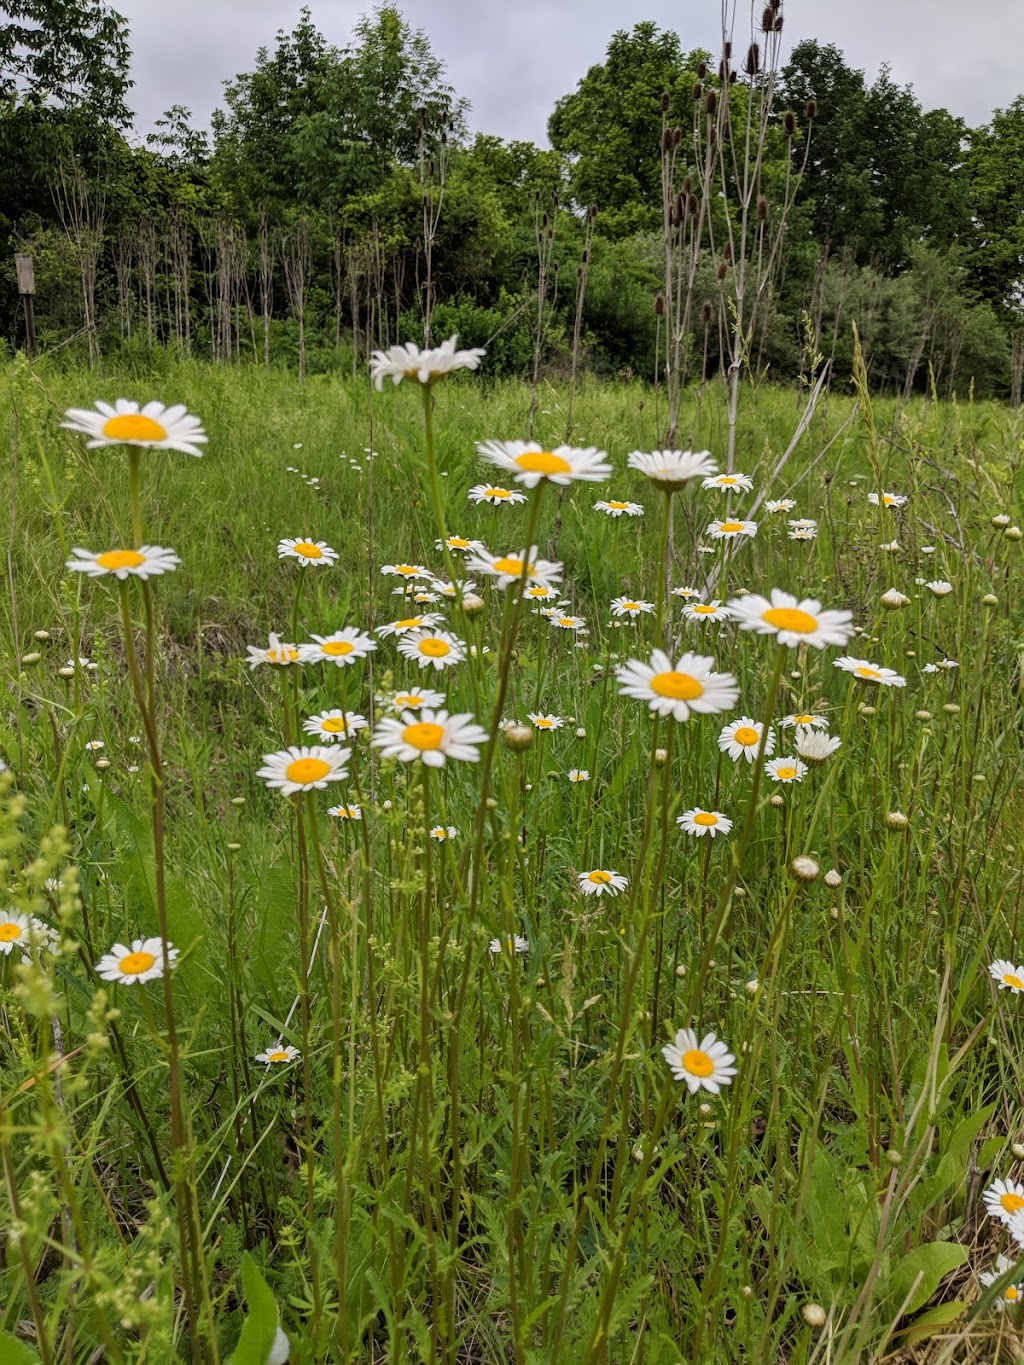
<point>895,819</point>
<point>777,801</point>
<point>1013,533</point>
<point>29,659</point>
<point>45,634</point>
<point>804,868</point>
<point>518,737</point>
<point>951,708</point>
<point>990,600</point>
<point>472,605</point>
<point>661,757</point>
<point>998,521</point>
<point>833,878</point>
<point>814,1315</point>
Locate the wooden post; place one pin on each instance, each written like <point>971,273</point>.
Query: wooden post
<point>27,288</point>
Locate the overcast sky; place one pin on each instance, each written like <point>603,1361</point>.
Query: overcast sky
<point>513,58</point>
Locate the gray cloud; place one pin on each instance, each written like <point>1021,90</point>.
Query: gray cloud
<point>512,61</point>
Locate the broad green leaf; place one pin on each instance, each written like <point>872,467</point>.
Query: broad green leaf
<point>15,1352</point>
<point>934,1320</point>
<point>931,1262</point>
<point>260,1326</point>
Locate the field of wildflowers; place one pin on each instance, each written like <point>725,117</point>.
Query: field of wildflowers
<point>478,899</point>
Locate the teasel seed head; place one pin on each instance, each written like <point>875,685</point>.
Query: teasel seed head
<point>711,103</point>
<point>659,304</point>
<point>752,65</point>
<point>812,108</point>
<point>762,209</point>
<point>666,100</point>
<point>707,312</point>
<point>789,123</point>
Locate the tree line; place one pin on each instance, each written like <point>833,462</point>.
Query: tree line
<point>695,212</point>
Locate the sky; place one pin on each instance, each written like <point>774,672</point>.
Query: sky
<point>513,60</point>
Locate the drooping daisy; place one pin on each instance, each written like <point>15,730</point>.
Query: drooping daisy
<point>485,492</point>
<point>432,737</point>
<point>15,930</point>
<point>304,768</point>
<point>786,770</point>
<point>887,499</point>
<point>427,365</point>
<point>1009,977</point>
<point>345,812</point>
<point>530,463</point>
<point>407,570</point>
<point>628,606</point>
<point>940,666</point>
<point>893,598</point>
<point>803,533</point>
<point>428,619</point>
<point>343,647</point>
<point>706,611</point>
<point>869,672</point>
<point>307,551</point>
<point>423,597</point>
<point>939,587</point>
<point>675,690</point>
<point>542,722</point>
<point>458,543</point>
<point>804,720</point>
<point>792,622</point>
<point>148,561</point>
<point>685,593</point>
<point>701,822</point>
<point>1012,1294</point>
<point>601,882</point>
<point>509,569</point>
<point>779,505</point>
<point>154,427</point>
<point>334,725</point>
<point>670,470</point>
<point>143,961</point>
<point>742,739</point>
<point>277,652</point>
<point>890,547</point>
<point>578,775</point>
<point>612,508</point>
<point>804,524</point>
<point>1004,1199</point>
<point>814,747</point>
<point>456,591</point>
<point>442,833</point>
<point>510,944</point>
<point>438,649</point>
<point>730,483</point>
<point>707,1065</point>
<point>731,530</point>
<point>278,1054</point>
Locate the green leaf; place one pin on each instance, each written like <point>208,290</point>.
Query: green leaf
<point>15,1352</point>
<point>931,1262</point>
<point>935,1319</point>
<point>260,1326</point>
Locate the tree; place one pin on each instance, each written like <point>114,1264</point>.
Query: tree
<point>72,53</point>
<point>995,238</point>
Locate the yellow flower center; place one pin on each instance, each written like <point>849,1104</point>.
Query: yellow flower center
<point>511,565</point>
<point>423,735</point>
<point>619,506</point>
<point>543,462</point>
<point>410,622</point>
<point>804,720</point>
<point>134,964</point>
<point>746,734</point>
<point>565,621</point>
<point>865,672</point>
<point>697,1063</point>
<point>286,655</point>
<point>112,560</point>
<point>132,426</point>
<point>457,543</point>
<point>543,723</point>
<point>726,480</point>
<point>888,499</point>
<point>334,725</point>
<point>408,699</point>
<point>308,550</point>
<point>496,493</point>
<point>730,527</point>
<point>1012,1203</point>
<point>676,686</point>
<point>599,878</point>
<point>785,774</point>
<point>338,647</point>
<point>277,1056</point>
<point>705,818</point>
<point>704,611</point>
<point>1012,1293</point>
<point>434,648</point>
<point>303,770</point>
<point>407,570</point>
<point>1014,981</point>
<point>789,618</point>
<point>538,591</point>
<point>9,932</point>
<point>631,606</point>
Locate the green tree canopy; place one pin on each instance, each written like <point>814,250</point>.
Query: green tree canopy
<point>70,53</point>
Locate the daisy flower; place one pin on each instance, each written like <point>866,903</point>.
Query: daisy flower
<point>779,505</point>
<point>459,543</point>
<point>675,690</point>
<point>428,366</point>
<point>15,930</point>
<point>513,944</point>
<point>148,561</point>
<point>332,725</point>
<point>440,649</point>
<point>277,652</point>
<point>561,622</point>
<point>429,618</point>
<point>93,745</point>
<point>542,722</point>
<point>792,622</point>
<point>485,492</point>
<point>456,591</point>
<point>342,648</point>
<point>804,533</point>
<point>413,701</point>
<point>304,768</point>
<point>890,546</point>
<point>939,587</point>
<point>940,666</point>
<point>432,736</point>
<point>422,597</point>
<point>742,739</point>
<point>441,833</point>
<point>1012,1293</point>
<point>804,524</point>
<point>578,775</point>
<point>805,720</point>
<point>612,508</point>
<point>278,1054</point>
<point>786,770</point>
<point>815,747</point>
<point>601,882</point>
<point>345,812</point>
<point>730,530</point>
<point>308,551</point>
<point>669,470</point>
<point>706,611</point>
<point>627,606</point>
<point>509,569</point>
<point>887,499</point>
<point>1003,1199</point>
<point>143,961</point>
<point>541,592</point>
<point>407,570</point>
<point>530,463</point>
<point>707,1065</point>
<point>869,672</point>
<point>154,427</point>
<point>892,597</point>
<point>1009,977</point>
<point>701,822</point>
<point>685,593</point>
<point>729,483</point>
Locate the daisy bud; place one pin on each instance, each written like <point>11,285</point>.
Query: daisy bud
<point>894,599</point>
<point>753,986</point>
<point>911,653</point>
<point>65,672</point>
<point>998,522</point>
<point>893,1157</point>
<point>951,708</point>
<point>746,1292</point>
<point>979,777</point>
<point>490,803</point>
<point>681,970</point>
<point>387,805</point>
<point>922,715</point>
<point>739,892</point>
<point>638,1154</point>
<point>777,801</point>
<point>661,757</point>
<point>704,1111</point>
<point>814,1315</point>
<point>41,635</point>
<point>472,605</point>
<point>103,763</point>
<point>29,659</point>
<point>833,878</point>
<point>990,600</point>
<point>1018,1150</point>
<point>895,819</point>
<point>804,868</point>
<point>1013,533</point>
<point>233,848</point>
<point>238,800</point>
<point>518,737</point>
<point>581,732</point>
<point>866,710</point>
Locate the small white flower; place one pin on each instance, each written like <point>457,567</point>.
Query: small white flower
<point>514,944</point>
<point>578,775</point>
<point>432,737</point>
<point>612,508</point>
<point>531,463</point>
<point>939,587</point>
<point>307,551</point>
<point>334,725</point>
<point>442,833</point>
<point>689,685</point>
<point>1004,1199</point>
<point>742,739</point>
<point>485,492</point>
<point>786,770</point>
<point>701,822</point>
<point>779,505</point>
<point>869,672</point>
<point>15,930</point>
<point>278,1054</point>
<point>342,648</point>
<point>815,747</point>
<point>438,649</point>
<point>277,652</point>
<point>309,767</point>
<point>706,611</point>
<point>1008,976</point>
<point>148,561</point>
<point>630,606</point>
<point>731,530</point>
<point>707,1065</point>
<point>407,571</point>
<point>153,427</point>
<point>887,499</point>
<point>428,366</point>
<point>601,882</point>
<point>143,961</point>
<point>670,470</point>
<point>730,483</point>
